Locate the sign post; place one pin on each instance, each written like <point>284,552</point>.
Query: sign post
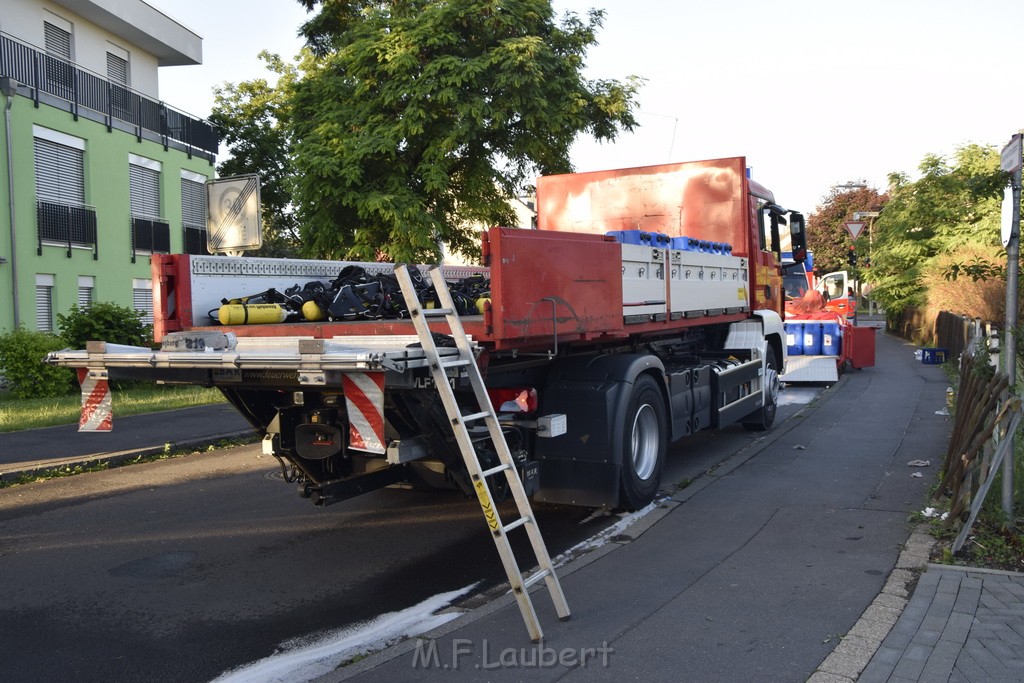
<point>1010,161</point>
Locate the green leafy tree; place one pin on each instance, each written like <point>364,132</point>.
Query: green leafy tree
<point>418,118</point>
<point>252,118</point>
<point>952,209</point>
<point>826,231</point>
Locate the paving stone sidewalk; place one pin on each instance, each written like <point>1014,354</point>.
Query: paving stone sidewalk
<point>961,624</point>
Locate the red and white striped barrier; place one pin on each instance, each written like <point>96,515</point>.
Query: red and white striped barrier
<point>364,402</point>
<point>97,408</point>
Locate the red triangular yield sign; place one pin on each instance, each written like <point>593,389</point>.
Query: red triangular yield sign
<point>854,228</point>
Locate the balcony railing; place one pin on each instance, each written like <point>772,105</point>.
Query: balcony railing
<point>70,225</point>
<point>152,235</point>
<point>62,79</point>
<point>194,239</point>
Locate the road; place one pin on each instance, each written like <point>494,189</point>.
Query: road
<point>182,569</point>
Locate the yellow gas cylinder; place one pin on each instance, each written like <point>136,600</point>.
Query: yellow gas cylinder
<point>251,314</point>
<point>312,312</point>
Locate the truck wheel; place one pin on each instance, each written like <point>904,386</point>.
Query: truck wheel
<point>644,444</point>
<point>763,419</point>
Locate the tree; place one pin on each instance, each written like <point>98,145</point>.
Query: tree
<point>252,118</point>
<point>418,118</point>
<point>952,209</point>
<point>826,230</point>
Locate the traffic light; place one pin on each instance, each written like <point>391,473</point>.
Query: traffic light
<point>851,257</point>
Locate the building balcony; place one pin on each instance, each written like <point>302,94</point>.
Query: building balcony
<point>66,225</point>
<point>111,103</point>
<point>150,235</point>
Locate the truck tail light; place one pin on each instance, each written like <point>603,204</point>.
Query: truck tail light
<point>514,400</point>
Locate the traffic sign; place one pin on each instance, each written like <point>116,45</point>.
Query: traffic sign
<point>854,228</point>
<point>1010,158</point>
<point>1006,222</point>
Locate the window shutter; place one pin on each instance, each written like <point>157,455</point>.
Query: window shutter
<point>142,299</point>
<point>144,187</point>
<point>193,203</point>
<point>44,308</point>
<point>57,41</point>
<point>60,173</point>
<point>117,69</point>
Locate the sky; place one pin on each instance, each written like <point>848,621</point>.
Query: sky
<point>814,93</point>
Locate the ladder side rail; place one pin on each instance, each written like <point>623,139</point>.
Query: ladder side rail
<point>501,446</point>
<point>466,447</point>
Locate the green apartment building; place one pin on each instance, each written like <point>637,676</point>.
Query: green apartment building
<point>96,172</point>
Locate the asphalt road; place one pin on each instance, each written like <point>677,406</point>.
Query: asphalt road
<point>182,569</point>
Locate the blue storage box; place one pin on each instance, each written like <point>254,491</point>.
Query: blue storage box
<point>685,243</point>
<point>641,237</point>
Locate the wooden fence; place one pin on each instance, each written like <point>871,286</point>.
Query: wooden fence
<point>986,413</point>
<point>946,331</point>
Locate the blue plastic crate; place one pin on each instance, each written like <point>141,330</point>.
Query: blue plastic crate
<point>933,356</point>
<point>641,237</point>
<point>685,243</point>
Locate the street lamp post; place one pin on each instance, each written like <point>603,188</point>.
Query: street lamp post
<point>871,216</point>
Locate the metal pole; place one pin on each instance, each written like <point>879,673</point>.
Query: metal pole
<point>10,89</point>
<point>1012,269</point>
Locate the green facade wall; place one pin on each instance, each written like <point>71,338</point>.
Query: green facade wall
<point>106,188</point>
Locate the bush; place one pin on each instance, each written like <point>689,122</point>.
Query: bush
<point>104,321</point>
<point>21,363</point>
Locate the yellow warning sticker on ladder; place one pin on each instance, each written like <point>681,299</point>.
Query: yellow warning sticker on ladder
<point>485,502</point>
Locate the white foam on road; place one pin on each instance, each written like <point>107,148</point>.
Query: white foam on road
<point>305,660</point>
<point>604,536</point>
<point>797,396</point>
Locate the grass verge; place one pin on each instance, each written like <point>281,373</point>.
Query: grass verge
<point>17,414</point>
<point>101,465</point>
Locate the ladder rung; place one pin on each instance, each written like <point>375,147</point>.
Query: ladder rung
<point>435,312</point>
<point>495,470</point>
<point>536,578</point>
<point>516,524</point>
<point>472,417</point>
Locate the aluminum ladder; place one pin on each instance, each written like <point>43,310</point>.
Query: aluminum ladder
<point>466,361</point>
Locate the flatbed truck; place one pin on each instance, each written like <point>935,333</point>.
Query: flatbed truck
<point>645,307</point>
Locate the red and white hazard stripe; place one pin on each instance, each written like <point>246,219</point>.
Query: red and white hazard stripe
<point>364,401</point>
<point>97,408</point>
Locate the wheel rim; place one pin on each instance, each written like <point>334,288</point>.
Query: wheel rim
<point>771,379</point>
<point>645,441</point>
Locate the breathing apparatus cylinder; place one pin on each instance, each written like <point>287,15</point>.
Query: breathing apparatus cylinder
<point>251,314</point>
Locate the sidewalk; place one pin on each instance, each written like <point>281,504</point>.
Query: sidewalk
<point>51,447</point>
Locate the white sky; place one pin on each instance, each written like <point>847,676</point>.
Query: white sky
<point>812,92</point>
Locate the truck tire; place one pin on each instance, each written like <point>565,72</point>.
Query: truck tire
<point>762,419</point>
<point>644,444</point>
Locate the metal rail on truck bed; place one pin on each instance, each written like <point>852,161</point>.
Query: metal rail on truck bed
<point>230,357</point>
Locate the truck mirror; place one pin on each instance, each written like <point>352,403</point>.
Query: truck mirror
<point>798,236</point>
